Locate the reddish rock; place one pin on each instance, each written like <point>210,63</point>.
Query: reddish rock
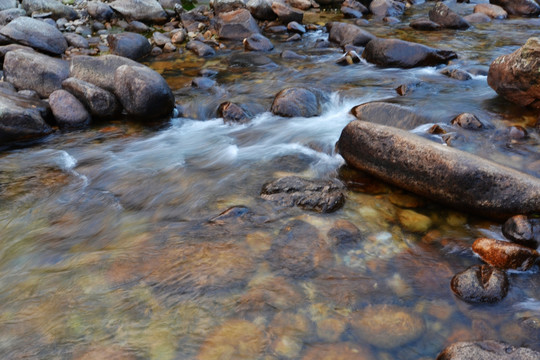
<point>505,255</point>
<point>518,7</point>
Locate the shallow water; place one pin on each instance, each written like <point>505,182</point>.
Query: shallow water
<point>112,245</point>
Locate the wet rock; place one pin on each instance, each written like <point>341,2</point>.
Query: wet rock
<point>293,26</point>
<point>271,293</point>
<point>235,339</point>
<point>467,121</point>
<point>36,34</point>
<point>515,76</point>
<point>444,16</point>
<point>22,118</point>
<point>320,196</point>
<point>356,5</point>
<point>425,25</point>
<point>6,16</point>
<point>505,255</point>
<point>143,92</point>
<point>344,233</point>
<point>251,60</point>
<point>203,83</point>
<point>493,11</point>
<point>200,48</point>
<point>261,9</point>
<point>404,54</point>
<point>295,37</point>
<point>343,34</point>
<point>98,70</point>
<point>137,27</point>
<point>338,351</point>
<point>178,36</point>
<point>99,102</point>
<point>294,102</point>
<point>457,74</point>
<point>28,70</point>
<point>477,18</point>
<point>330,329</point>
<point>351,57</point>
<point>99,11</point>
<point>517,132</point>
<point>257,42</point>
<point>389,114</point>
<point>291,55</point>
<point>289,331</point>
<point>236,25</point>
<point>387,7</point>
<point>520,230</point>
<point>55,8</point>
<point>480,284</point>
<point>141,10</point>
<point>447,175</point>
<point>68,111</point>
<point>300,4</point>
<point>223,6</point>
<point>487,350</point>
<point>349,13</point>
<point>387,326</point>
<point>286,14</point>
<point>406,89</point>
<point>518,7</point>
<point>277,29</point>
<point>413,221</point>
<point>232,113</point>
<point>76,40</point>
<point>130,45</point>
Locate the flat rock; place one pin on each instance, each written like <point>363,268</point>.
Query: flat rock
<point>141,10</point>
<point>237,25</point>
<point>99,102</point>
<point>56,8</point>
<point>389,114</point>
<point>200,49</point>
<point>518,7</point>
<point>130,45</point>
<point>293,102</point>
<point>447,18</point>
<point>319,196</point>
<point>447,175</point>
<point>344,34</point>
<point>477,18</point>
<point>68,111</point>
<point>487,350</point>
<point>425,24</point>
<point>505,255</point>
<point>480,284</point>
<point>36,34</point>
<point>29,70</point>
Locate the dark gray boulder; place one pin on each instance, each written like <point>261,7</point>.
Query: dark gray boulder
<point>141,10</point>
<point>143,92</point>
<point>390,114</point>
<point>257,42</point>
<point>130,45</point>
<point>6,16</point>
<point>293,102</point>
<point>424,25</point>
<point>345,34</point>
<point>444,16</point>
<point>447,175</point>
<point>98,70</point>
<point>520,229</point>
<point>68,111</point>
<point>99,102</point>
<point>518,7</point>
<point>56,8</point>
<point>404,54</point>
<point>200,49</point>
<point>99,10</point>
<point>261,9</point>
<point>36,34</point>
<point>487,350</point>
<point>286,13</point>
<point>480,284</point>
<point>29,70</point>
<point>315,195</point>
<point>237,25</point>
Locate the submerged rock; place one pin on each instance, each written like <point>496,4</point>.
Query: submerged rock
<point>321,196</point>
<point>505,255</point>
<point>480,284</point>
<point>387,7</point>
<point>516,77</point>
<point>438,172</point>
<point>257,42</point>
<point>293,102</point>
<point>444,16</point>
<point>519,7</point>
<point>389,114</point>
<point>339,351</point>
<point>487,350</point>
<point>36,34</point>
<point>404,54</point>
<point>345,34</point>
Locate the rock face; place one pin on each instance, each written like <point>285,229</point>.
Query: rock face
<point>437,172</point>
<point>143,92</point>
<point>387,326</point>
<point>487,350</point>
<point>99,102</point>
<point>444,16</point>
<point>493,11</point>
<point>389,114</point>
<point>404,54</point>
<point>320,196</point>
<point>57,9</point>
<point>387,7</point>
<point>68,111</point>
<point>505,255</point>
<point>28,70</point>
<point>141,10</point>
<point>516,77</point>
<point>237,25</point>
<point>520,230</point>
<point>518,7</point>
<point>21,118</point>
<point>480,284</point>
<point>345,34</point>
<point>36,34</point>
<point>292,102</point>
<point>131,45</point>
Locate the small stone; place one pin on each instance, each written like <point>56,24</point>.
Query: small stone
<point>505,255</point>
<point>169,47</point>
<point>487,350</point>
<point>344,233</point>
<point>467,121</point>
<point>491,10</point>
<point>257,42</point>
<point>293,26</point>
<point>517,132</point>
<point>295,37</point>
<point>232,113</point>
<point>351,57</point>
<point>160,39</point>
<point>444,16</point>
<point>413,221</point>
<point>518,229</point>
<point>200,48</point>
<point>480,284</point>
<point>457,74</point>
<point>178,37</point>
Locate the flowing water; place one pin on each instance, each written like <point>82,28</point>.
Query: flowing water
<point>112,245</point>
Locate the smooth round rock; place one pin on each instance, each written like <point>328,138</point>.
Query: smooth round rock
<point>257,42</point>
<point>232,113</point>
<point>480,284</point>
<point>467,121</point>
<point>68,111</point>
<point>100,102</point>
<point>130,45</point>
<point>444,16</point>
<point>36,34</point>
<point>294,102</point>
<point>519,230</point>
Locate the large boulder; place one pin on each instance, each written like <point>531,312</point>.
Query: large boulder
<point>22,118</point>
<point>98,70</point>
<point>480,284</point>
<point>348,34</point>
<point>68,111</point>
<point>29,70</point>
<point>504,254</point>
<point>387,7</point>
<point>237,25</point>
<point>444,16</point>
<point>293,102</point>
<point>36,34</point>
<point>438,172</point>
<point>518,7</point>
<point>389,114</point>
<point>516,76</point>
<point>128,44</point>
<point>99,102</point>
<point>487,350</point>
<point>141,10</point>
<point>404,54</point>
<point>56,8</point>
<point>143,92</point>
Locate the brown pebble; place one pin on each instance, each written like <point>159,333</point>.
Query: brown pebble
<point>505,255</point>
